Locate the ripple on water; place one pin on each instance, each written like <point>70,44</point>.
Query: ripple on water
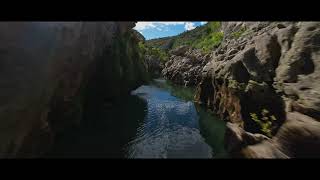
<point>157,121</point>
<point>170,129</point>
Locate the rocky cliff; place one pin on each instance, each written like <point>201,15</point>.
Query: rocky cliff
<point>52,71</point>
<point>261,77</point>
<point>264,80</point>
<point>188,53</point>
<point>185,65</point>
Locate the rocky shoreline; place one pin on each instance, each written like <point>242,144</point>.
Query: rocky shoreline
<point>263,80</point>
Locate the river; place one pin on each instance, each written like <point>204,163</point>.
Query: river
<point>158,120</point>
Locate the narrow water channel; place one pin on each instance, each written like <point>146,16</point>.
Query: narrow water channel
<point>158,120</point>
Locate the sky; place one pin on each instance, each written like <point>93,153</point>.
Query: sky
<point>151,30</point>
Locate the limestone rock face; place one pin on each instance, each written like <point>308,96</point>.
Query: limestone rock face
<point>154,65</point>
<point>272,68</point>
<point>184,66</point>
<point>298,73</point>
<point>299,136</point>
<point>45,71</point>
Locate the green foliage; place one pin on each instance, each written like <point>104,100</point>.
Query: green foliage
<point>142,48</point>
<point>236,85</point>
<point>204,37</point>
<point>165,43</point>
<point>265,121</point>
<point>238,33</point>
<point>213,26</point>
<point>163,56</point>
<point>153,51</point>
<point>209,42</point>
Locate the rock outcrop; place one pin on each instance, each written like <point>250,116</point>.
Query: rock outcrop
<point>52,71</point>
<point>154,65</point>
<point>263,79</point>
<point>184,66</point>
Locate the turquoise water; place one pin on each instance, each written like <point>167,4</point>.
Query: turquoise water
<point>158,120</point>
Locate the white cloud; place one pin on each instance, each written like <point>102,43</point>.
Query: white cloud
<point>144,25</point>
<point>189,26</point>
<point>149,25</point>
<point>170,23</point>
<point>203,22</point>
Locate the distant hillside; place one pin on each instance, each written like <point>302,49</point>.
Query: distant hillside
<point>203,37</point>
<point>162,43</point>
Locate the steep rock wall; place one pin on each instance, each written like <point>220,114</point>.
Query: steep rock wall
<point>263,79</point>
<point>49,71</point>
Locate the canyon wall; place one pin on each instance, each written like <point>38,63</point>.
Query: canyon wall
<point>264,80</point>
<point>52,71</point>
<point>261,77</point>
<point>185,65</point>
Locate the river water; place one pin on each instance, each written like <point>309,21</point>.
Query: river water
<point>158,120</point>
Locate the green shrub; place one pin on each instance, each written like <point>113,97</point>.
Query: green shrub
<point>153,51</point>
<point>233,84</point>
<point>238,33</point>
<point>142,47</point>
<point>265,121</point>
<point>209,42</point>
<point>214,26</point>
<point>204,38</point>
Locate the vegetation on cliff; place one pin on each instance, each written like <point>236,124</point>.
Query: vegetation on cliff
<point>146,50</point>
<point>204,38</point>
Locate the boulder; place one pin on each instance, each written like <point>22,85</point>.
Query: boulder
<point>299,137</point>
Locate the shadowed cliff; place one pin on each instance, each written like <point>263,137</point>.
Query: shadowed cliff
<point>46,71</point>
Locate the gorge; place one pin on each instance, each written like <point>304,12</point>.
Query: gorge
<point>99,89</point>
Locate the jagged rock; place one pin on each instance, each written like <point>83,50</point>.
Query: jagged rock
<point>263,150</point>
<point>236,138</point>
<point>275,68</point>
<point>299,136</point>
<point>298,73</point>
<point>179,51</point>
<point>280,26</point>
<point>268,53</point>
<point>154,65</point>
<point>184,66</point>
<point>138,36</point>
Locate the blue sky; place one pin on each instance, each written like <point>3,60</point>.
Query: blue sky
<point>151,30</point>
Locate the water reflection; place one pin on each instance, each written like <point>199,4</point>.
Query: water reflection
<point>170,128</point>
<point>213,130</point>
<point>157,121</point>
<point>105,133</point>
